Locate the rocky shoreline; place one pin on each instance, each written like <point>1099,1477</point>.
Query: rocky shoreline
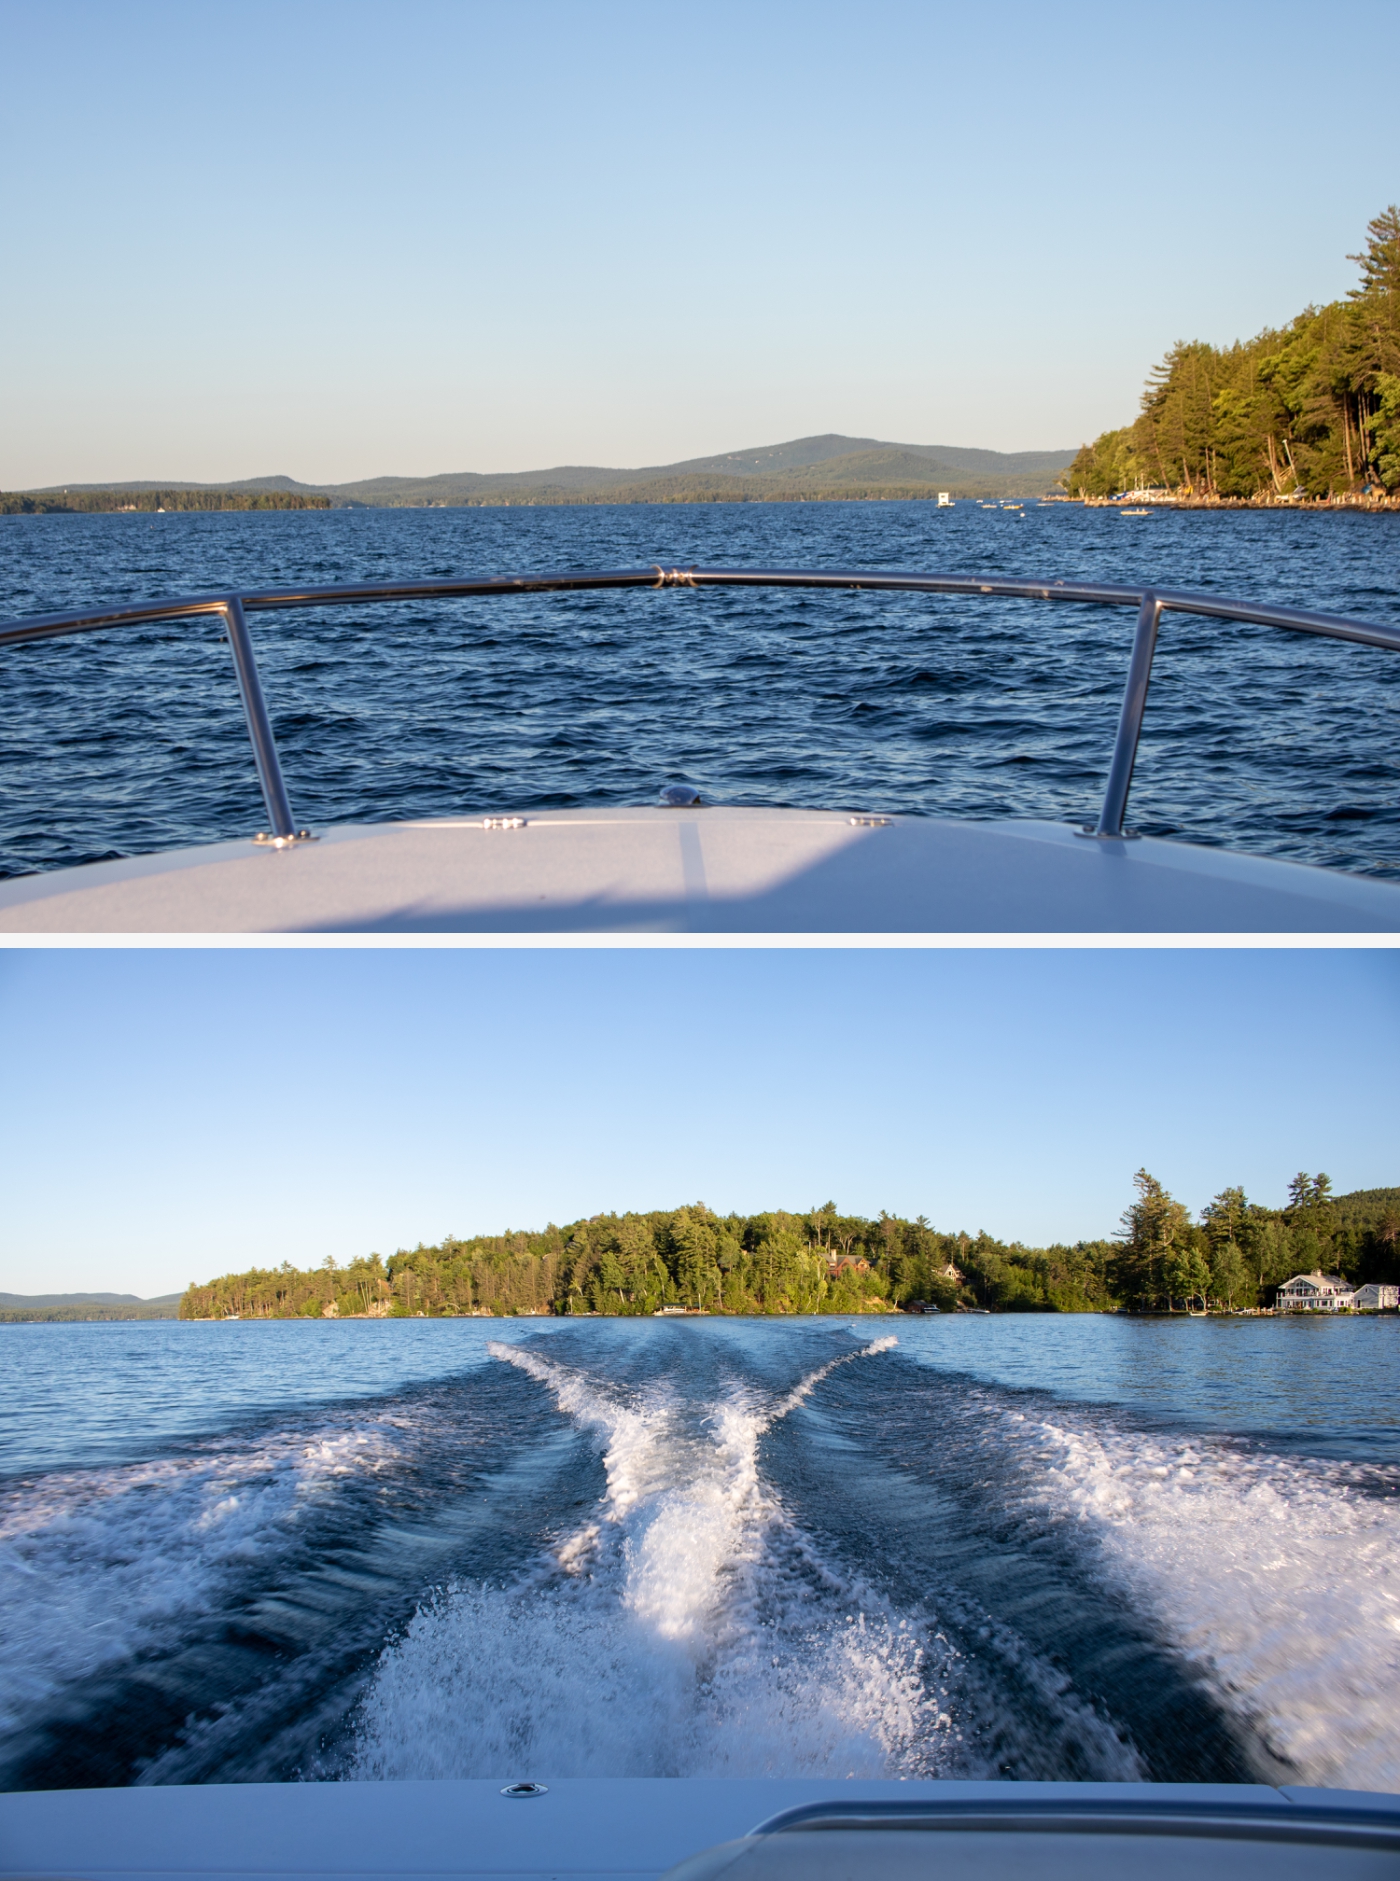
<point>1368,505</point>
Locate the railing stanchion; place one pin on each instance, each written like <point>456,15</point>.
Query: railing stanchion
<point>1150,603</point>
<point>274,791</point>
<point>1120,771</point>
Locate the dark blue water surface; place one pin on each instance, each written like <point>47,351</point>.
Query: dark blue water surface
<point>1032,1547</point>
<point>127,742</point>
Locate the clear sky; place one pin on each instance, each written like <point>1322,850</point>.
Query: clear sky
<point>167,1116</point>
<point>336,238</point>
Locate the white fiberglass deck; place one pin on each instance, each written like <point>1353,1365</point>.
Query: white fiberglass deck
<point>640,1827</point>
<point>700,870</point>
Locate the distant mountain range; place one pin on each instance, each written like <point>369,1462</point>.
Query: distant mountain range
<point>51,1306</point>
<point>826,468</point>
<point>87,1299</point>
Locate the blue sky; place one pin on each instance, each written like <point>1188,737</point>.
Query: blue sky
<point>171,1115</point>
<point>336,239</point>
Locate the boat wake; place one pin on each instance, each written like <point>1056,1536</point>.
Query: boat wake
<point>1277,1578</point>
<point>711,1549</point>
<point>685,1626</point>
<point>96,1569</point>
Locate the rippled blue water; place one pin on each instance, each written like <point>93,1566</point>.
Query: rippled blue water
<point>79,1395</point>
<point>1042,1548</point>
<point>128,742</point>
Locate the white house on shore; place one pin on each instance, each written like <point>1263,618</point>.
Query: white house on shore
<point>1375,1297</point>
<point>1315,1293</point>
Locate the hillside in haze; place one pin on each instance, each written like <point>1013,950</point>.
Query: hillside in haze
<point>70,1306</point>
<point>825,468</point>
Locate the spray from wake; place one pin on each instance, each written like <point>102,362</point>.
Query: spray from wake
<point>1278,1578</point>
<point>99,1567</point>
<point>802,1391</point>
<point>685,1628</point>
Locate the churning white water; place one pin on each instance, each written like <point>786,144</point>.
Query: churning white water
<point>683,1628</point>
<point>99,1568</point>
<point>1279,1578</point>
<point>709,1547</point>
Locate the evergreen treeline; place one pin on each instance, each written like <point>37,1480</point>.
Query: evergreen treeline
<point>1239,1253</point>
<point>825,1262</point>
<point>87,1310</point>
<point>83,502</point>
<point>1311,409</point>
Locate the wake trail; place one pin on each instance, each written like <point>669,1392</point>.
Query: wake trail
<point>100,1568</point>
<point>803,1390</point>
<point>686,1627</point>
<point>1277,1578</point>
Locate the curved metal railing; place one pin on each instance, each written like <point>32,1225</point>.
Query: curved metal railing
<point>1151,604</point>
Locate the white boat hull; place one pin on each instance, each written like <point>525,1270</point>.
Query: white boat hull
<point>602,1828</point>
<point>700,871</point>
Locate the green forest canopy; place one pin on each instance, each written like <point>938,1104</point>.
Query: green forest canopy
<point>89,1310</point>
<point>1309,409</point>
<point>826,1262</point>
<point>86,502</point>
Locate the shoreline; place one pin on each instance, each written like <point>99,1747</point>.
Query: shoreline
<point>1331,505</point>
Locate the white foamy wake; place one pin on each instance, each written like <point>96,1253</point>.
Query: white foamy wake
<point>96,1565</point>
<point>684,1630</point>
<point>1280,1579</point>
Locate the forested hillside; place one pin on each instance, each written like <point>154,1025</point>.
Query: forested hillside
<point>828,468</point>
<point>70,1312</point>
<point>825,1262</point>
<point>87,502</point>
<point>1238,1252</point>
<point>1311,409</point>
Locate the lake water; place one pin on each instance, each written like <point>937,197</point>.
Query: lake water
<point>127,742</point>
<point>1086,1547</point>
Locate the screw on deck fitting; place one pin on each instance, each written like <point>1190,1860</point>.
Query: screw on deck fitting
<point>283,842</point>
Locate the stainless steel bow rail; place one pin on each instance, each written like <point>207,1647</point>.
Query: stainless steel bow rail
<point>1150,603</point>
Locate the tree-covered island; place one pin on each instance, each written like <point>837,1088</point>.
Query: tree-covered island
<point>1234,1256</point>
<point>148,502</point>
<point>1310,410</point>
